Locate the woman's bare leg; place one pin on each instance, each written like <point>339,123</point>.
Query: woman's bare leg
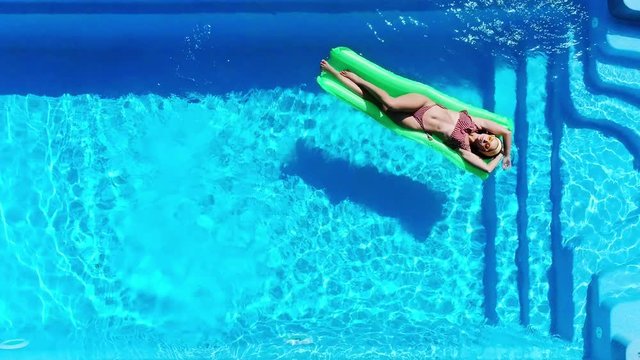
<point>399,117</point>
<point>407,103</point>
<point>404,119</point>
<point>404,103</point>
<point>324,65</point>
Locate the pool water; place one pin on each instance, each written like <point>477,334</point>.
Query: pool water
<point>182,241</point>
<point>196,216</point>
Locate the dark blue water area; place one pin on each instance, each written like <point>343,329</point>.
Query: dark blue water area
<point>200,6</point>
<point>115,54</point>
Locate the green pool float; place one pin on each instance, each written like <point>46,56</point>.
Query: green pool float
<point>344,58</point>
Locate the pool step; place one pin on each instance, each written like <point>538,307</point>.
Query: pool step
<point>538,205</point>
<point>611,62</point>
<point>619,76</point>
<point>507,305</point>
<point>523,256</point>
<point>611,37</point>
<point>610,73</point>
<point>623,45</point>
<point>625,9</point>
<point>543,263</point>
<point>559,113</point>
<point>616,120</point>
<point>613,318</point>
<point>610,56</point>
<point>572,108</point>
<point>617,81</point>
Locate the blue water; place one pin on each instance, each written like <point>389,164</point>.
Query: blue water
<point>177,185</point>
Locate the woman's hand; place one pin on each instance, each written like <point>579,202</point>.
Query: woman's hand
<point>506,162</point>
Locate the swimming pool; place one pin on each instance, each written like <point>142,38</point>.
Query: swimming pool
<point>175,184</point>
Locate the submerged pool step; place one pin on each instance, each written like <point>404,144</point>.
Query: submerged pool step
<point>558,114</point>
<point>609,34</point>
<point>622,45</point>
<point>616,42</point>
<point>617,119</point>
<point>519,238</point>
<point>538,187</point>
<point>575,261</point>
<point>611,72</point>
<point>523,234</point>
<point>507,304</point>
<point>613,313</point>
<point>613,80</point>
<point>625,9</point>
<point>611,55</point>
<point>619,76</point>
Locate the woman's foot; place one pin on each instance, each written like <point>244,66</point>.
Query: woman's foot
<point>351,76</point>
<point>324,65</point>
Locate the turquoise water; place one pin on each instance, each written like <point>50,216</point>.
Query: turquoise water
<point>276,222</point>
<point>145,219</point>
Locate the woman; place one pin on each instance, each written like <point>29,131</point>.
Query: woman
<point>474,138</point>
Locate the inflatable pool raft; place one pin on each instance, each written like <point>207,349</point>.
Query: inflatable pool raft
<point>344,58</point>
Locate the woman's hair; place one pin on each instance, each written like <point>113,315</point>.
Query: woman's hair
<point>487,154</point>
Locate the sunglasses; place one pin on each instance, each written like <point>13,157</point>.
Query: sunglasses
<point>485,144</point>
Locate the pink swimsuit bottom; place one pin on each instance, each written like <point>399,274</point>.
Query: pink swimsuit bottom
<point>464,126</point>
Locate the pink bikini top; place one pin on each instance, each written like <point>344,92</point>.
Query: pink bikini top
<point>459,138</point>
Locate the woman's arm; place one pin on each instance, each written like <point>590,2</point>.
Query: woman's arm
<point>476,161</point>
<point>497,129</point>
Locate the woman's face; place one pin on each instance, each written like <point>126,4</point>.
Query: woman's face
<point>487,143</point>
